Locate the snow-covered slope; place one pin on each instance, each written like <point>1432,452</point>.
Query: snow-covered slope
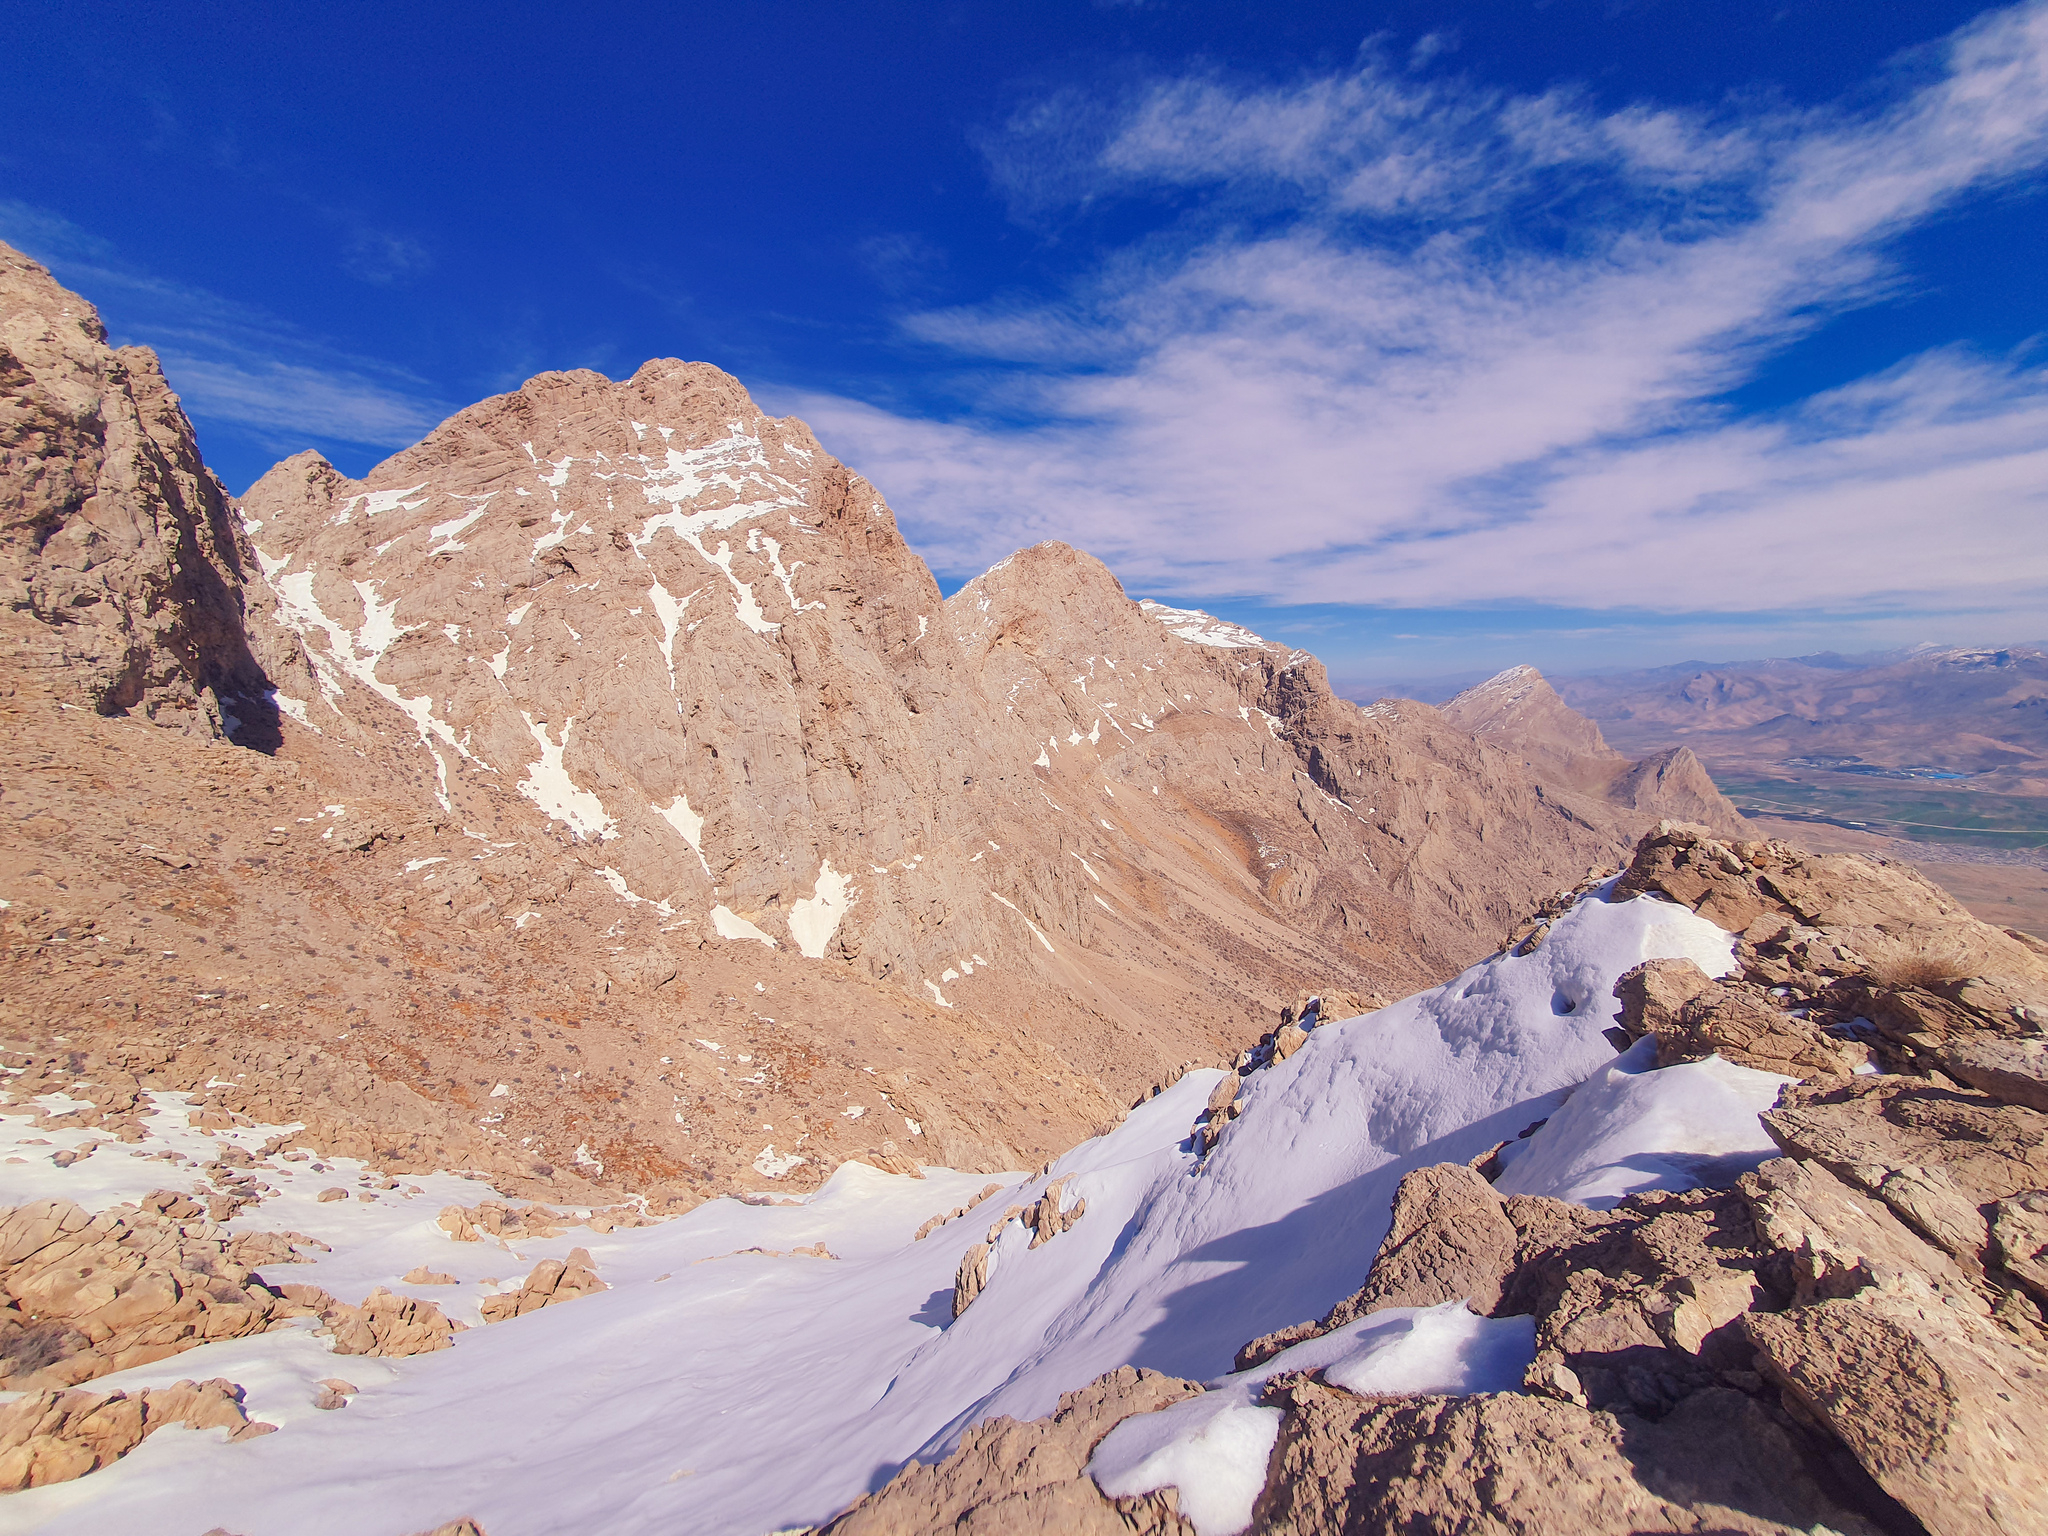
<point>717,1390</point>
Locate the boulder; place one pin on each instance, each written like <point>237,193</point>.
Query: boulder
<point>1653,993</point>
<point>1940,1407</point>
<point>552,1281</point>
<point>2019,1233</point>
<point>2015,1071</point>
<point>1450,1240</point>
<point>52,1437</point>
<point>1029,1479</point>
<point>1935,1155</point>
<point>389,1325</point>
<point>1512,1463</point>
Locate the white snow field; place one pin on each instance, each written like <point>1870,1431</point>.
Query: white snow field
<point>714,1391</point>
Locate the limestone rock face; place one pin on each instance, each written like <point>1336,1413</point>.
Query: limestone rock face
<point>675,632</point>
<point>120,558</point>
<point>1450,1240</point>
<point>83,1295</point>
<point>1513,1463</point>
<point>1844,961</point>
<point>675,674</point>
<point>1519,712</point>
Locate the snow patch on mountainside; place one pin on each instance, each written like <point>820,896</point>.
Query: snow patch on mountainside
<point>1202,628</point>
<point>542,1424</point>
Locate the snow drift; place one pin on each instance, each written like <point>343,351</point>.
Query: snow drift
<point>728,1384</point>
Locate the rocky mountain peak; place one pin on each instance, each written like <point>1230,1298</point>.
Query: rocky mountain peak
<point>121,567</point>
<point>614,706</point>
<point>1518,711</point>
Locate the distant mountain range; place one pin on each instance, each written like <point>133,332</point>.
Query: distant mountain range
<point>1980,711</point>
<point>1940,742</point>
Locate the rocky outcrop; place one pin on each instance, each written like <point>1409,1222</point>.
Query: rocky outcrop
<point>54,1436</point>
<point>938,1221</point>
<point>552,1281</point>
<point>1694,1016</point>
<point>1044,1217</point>
<point>121,563</point>
<point>1519,712</point>
<point>84,1295</point>
<point>507,1223</point>
<point>1029,1478</point>
<point>1449,1241</point>
<point>384,1324</point>
<point>1849,1338</point>
<point>1842,960</point>
<point>1719,1462</point>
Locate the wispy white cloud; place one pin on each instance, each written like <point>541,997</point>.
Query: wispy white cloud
<point>1429,343</point>
<point>231,362</point>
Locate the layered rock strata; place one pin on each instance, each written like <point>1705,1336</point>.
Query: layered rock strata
<point>52,1437</point>
<point>82,1296</point>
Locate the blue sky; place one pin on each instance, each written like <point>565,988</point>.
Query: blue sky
<point>1432,337</point>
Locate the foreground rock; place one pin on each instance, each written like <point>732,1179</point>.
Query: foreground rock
<point>1848,1339</point>
<point>52,1437</point>
<point>1029,1478</point>
<point>1718,1462</point>
<point>82,1296</point>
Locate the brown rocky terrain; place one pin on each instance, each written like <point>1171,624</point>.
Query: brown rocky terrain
<point>2006,888</point>
<point>52,1437</point>
<point>599,795</point>
<point>116,538</point>
<point>1519,712</point>
<point>83,1296</point>
<point>1850,1338</point>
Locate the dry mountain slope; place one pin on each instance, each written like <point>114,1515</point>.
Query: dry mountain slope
<point>642,815</point>
<point>1518,711</point>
